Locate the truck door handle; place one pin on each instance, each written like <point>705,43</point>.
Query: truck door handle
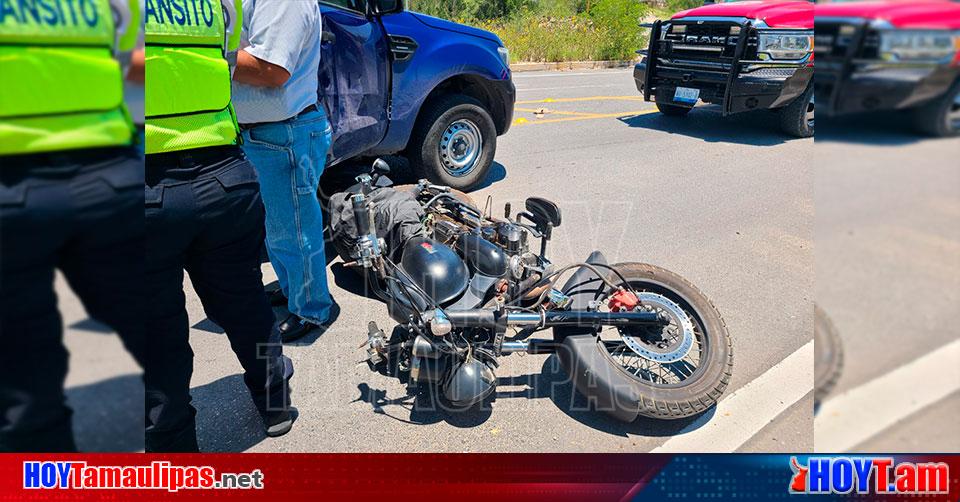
<point>328,37</point>
<point>402,47</point>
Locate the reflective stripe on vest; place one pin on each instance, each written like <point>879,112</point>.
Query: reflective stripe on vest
<point>60,87</point>
<point>188,78</point>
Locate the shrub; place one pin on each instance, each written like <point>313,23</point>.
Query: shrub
<point>551,30</point>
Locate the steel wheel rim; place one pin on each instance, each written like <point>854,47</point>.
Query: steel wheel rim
<point>460,147</point>
<point>809,114</point>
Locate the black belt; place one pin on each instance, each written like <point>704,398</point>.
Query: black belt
<point>65,158</point>
<point>311,108</point>
<point>191,158</point>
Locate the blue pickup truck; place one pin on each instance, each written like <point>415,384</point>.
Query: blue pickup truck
<point>400,82</point>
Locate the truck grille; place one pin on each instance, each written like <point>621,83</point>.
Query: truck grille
<point>709,42</point>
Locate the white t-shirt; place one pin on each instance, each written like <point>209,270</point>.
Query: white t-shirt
<point>285,33</point>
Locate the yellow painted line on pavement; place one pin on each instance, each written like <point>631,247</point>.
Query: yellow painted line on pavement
<point>553,112</point>
<point>576,100</point>
<point>523,121</point>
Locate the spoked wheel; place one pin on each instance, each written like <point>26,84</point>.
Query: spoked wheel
<point>673,372</point>
<point>665,356</point>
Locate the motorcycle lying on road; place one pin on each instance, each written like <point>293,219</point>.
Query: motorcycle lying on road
<point>635,339</point>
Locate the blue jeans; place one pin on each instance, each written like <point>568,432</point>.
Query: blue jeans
<point>289,158</point>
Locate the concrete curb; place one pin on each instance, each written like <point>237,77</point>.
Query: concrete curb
<point>570,65</point>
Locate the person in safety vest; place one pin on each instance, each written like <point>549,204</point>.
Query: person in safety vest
<point>204,216</point>
<point>70,200</point>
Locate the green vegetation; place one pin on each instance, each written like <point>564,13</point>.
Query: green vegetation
<point>556,30</point>
<point>679,5</point>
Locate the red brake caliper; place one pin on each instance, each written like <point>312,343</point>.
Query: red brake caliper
<point>623,301</point>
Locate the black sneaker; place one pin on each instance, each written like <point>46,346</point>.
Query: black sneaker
<point>278,423</point>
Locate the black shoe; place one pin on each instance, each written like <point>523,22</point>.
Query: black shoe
<point>293,327</point>
<point>277,298</point>
<point>278,423</point>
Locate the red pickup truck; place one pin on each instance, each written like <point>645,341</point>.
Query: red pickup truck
<point>891,55</point>
<point>746,55</point>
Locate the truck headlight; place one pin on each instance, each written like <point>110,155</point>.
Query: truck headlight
<point>504,56</point>
<point>916,45</point>
<point>794,45</point>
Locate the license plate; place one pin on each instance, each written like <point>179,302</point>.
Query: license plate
<point>686,95</point>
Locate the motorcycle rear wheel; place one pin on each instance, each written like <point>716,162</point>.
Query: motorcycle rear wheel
<point>684,388</point>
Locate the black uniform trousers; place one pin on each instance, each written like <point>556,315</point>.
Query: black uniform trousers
<point>204,215</point>
<point>79,212</point>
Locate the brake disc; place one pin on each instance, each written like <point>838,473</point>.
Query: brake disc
<point>678,335</point>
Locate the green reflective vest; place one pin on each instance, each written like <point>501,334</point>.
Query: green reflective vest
<point>60,86</point>
<point>187,76</point>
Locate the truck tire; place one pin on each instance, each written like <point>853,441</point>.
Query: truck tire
<point>599,373</point>
<point>940,118</point>
<point>453,143</point>
<point>673,110</point>
<point>796,119</point>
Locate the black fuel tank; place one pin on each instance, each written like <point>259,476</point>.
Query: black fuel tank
<point>485,256</point>
<point>436,268</point>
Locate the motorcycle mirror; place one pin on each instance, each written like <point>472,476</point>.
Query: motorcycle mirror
<point>380,166</point>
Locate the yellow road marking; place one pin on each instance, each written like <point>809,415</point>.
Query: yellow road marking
<point>574,100</point>
<point>522,121</point>
<point>536,111</point>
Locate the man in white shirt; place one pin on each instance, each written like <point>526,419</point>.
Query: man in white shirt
<point>287,136</point>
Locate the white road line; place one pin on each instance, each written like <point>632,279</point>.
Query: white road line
<point>521,76</point>
<point>861,413</point>
<point>741,415</point>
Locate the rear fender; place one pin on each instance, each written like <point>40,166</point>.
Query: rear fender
<point>585,285</point>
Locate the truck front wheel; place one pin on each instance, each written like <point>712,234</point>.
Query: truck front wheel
<point>453,143</point>
<point>796,119</point>
<point>941,117</point>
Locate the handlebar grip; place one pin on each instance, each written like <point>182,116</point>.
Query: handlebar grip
<point>362,214</point>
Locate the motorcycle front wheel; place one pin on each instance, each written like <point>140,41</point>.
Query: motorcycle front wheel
<point>670,373</point>
<point>827,356</point>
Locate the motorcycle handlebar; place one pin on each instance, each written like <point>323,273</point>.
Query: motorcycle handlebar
<point>362,214</point>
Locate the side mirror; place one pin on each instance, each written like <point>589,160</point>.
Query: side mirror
<point>544,210</point>
<point>381,7</point>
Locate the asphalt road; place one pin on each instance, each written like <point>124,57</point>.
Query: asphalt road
<point>888,274</point>
<point>725,202</point>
